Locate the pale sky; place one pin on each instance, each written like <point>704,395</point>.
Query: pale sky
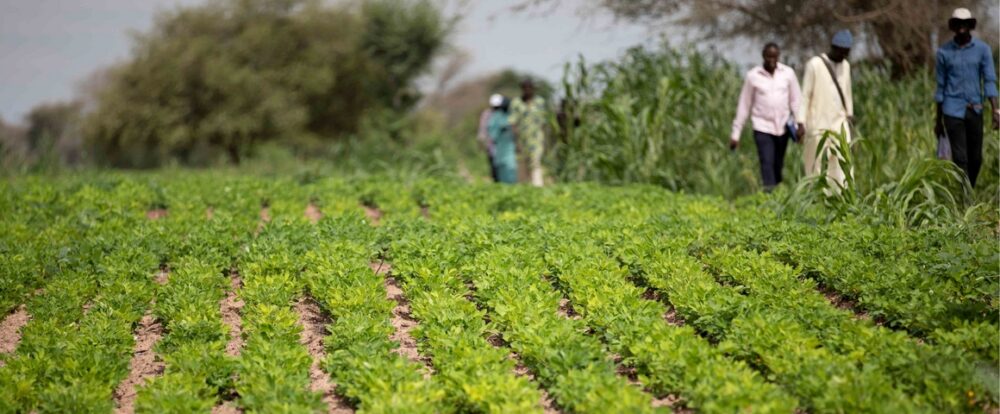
<point>48,46</point>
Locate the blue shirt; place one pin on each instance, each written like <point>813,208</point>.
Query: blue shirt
<point>962,74</point>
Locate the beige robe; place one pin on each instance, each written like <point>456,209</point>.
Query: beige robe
<point>821,110</point>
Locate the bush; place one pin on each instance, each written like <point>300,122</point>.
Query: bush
<point>209,83</point>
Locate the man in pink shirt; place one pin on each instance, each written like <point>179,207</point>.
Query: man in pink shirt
<point>770,94</point>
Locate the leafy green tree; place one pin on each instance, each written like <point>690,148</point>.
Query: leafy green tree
<point>212,82</point>
<point>49,123</point>
<point>400,39</point>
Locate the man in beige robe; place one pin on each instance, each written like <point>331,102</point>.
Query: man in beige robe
<point>824,108</point>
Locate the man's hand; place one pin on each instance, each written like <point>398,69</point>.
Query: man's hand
<point>939,127</point>
<point>733,144</point>
<point>801,131</point>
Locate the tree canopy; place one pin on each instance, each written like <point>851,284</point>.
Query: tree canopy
<point>213,81</point>
<point>897,30</point>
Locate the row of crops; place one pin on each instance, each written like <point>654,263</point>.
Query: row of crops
<point>577,298</point>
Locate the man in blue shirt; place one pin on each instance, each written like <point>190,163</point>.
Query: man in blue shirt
<point>964,72</point>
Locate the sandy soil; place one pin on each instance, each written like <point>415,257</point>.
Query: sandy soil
<point>313,213</point>
<point>156,214</point>
<point>231,306</point>
<point>143,365</point>
<point>227,407</point>
<point>402,321</point>
<point>314,330</point>
<point>10,330</point>
<point>672,317</point>
<point>373,214</point>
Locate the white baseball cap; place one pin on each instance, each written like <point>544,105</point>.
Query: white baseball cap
<point>496,100</point>
<point>961,14</point>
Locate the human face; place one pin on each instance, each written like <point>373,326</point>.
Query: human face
<point>962,30</point>
<point>838,54</point>
<point>528,90</point>
<point>771,56</point>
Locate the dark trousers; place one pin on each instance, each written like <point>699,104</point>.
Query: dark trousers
<point>493,168</point>
<point>771,151</point>
<point>966,138</point>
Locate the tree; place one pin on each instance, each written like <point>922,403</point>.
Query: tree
<point>401,41</point>
<point>52,124</point>
<point>897,30</point>
<point>13,149</point>
<point>213,81</point>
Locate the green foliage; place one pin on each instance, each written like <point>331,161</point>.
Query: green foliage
<point>603,297</point>
<point>400,37</point>
<point>658,118</point>
<point>661,117</point>
<point>212,82</point>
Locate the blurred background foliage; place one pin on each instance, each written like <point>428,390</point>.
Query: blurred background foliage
<point>315,87</point>
<point>215,81</point>
<point>661,116</point>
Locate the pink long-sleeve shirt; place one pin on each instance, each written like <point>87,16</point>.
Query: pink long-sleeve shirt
<point>768,100</point>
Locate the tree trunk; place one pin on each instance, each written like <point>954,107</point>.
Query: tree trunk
<point>907,52</point>
<point>234,153</point>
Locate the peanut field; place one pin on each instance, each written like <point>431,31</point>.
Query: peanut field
<point>181,292</point>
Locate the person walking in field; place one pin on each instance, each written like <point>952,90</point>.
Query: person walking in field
<point>827,105</point>
<point>527,115</point>
<point>483,135</point>
<point>770,95</point>
<point>502,134</point>
<point>965,73</point>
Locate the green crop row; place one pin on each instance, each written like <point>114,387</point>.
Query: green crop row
<point>756,300</point>
<point>574,367</point>
<point>360,356</point>
<point>79,342</point>
<point>668,358</point>
<point>477,376</point>
<point>486,270</point>
<point>48,229</point>
<point>933,375</point>
<point>822,380</point>
<point>197,370</point>
<point>197,373</point>
<point>273,370</point>
<point>941,285</point>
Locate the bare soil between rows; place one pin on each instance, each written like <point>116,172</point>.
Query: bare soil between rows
<point>10,330</point>
<point>227,407</point>
<point>520,370</point>
<point>373,214</point>
<point>143,365</point>
<point>548,405</point>
<point>403,322</point>
<point>231,307</point>
<point>313,213</point>
<point>313,331</point>
<point>157,213</point>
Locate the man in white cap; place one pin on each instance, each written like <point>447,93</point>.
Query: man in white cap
<point>965,74</point>
<point>483,135</point>
<point>827,105</point>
